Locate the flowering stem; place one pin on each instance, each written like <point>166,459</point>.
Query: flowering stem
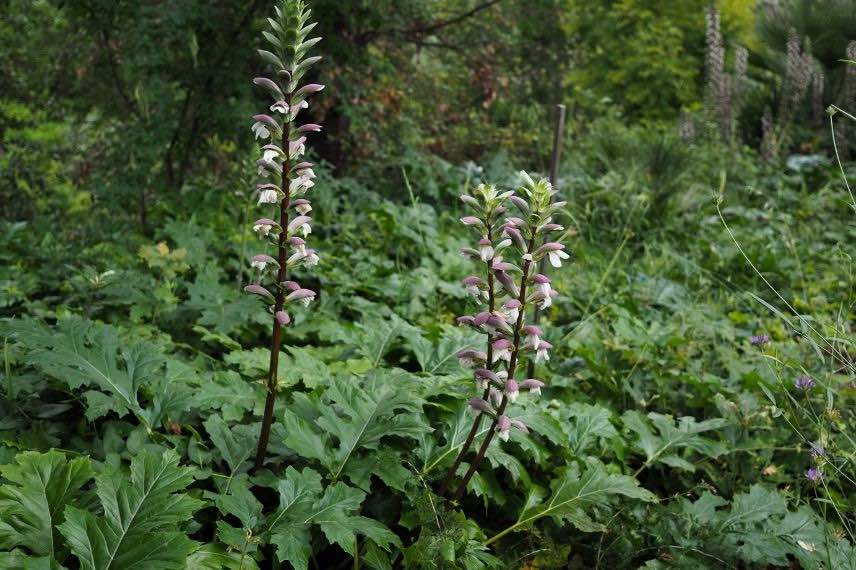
<point>512,368</point>
<point>558,137</point>
<point>282,257</point>
<point>489,365</point>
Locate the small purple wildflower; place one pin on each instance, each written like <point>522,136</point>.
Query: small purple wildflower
<point>817,452</point>
<point>804,383</point>
<point>814,475</point>
<point>759,339</point>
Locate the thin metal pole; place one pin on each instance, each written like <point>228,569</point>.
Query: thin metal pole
<point>558,139</point>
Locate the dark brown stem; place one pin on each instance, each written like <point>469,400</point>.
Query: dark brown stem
<point>282,257</point>
<point>489,365</point>
<point>512,368</point>
<point>558,138</point>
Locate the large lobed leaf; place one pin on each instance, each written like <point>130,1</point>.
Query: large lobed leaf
<point>39,487</point>
<point>304,503</point>
<point>86,354</point>
<point>357,414</point>
<point>142,518</point>
<point>575,494</point>
<point>664,446</point>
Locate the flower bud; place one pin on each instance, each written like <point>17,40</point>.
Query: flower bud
<point>484,377</point>
<point>520,426</point>
<point>470,201</point>
<point>469,357</point>
<point>255,289</point>
<point>466,320</point>
<point>305,295</point>
<point>520,203</point>
<point>308,90</point>
<point>270,85</point>
<point>480,406</point>
<point>507,283</point>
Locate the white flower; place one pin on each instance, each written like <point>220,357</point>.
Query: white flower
<point>486,251</point>
<point>300,184</point>
<point>280,107</point>
<point>300,249</point>
<point>268,197</point>
<point>270,155</point>
<point>556,257</point>
<point>541,355</point>
<point>295,109</point>
<point>262,229</point>
<point>265,166</point>
<point>533,336</point>
<point>512,391</point>
<point>260,130</point>
<point>546,301</point>
<point>312,258</point>
<point>295,257</point>
<point>474,292</point>
<point>474,285</point>
<point>502,350</point>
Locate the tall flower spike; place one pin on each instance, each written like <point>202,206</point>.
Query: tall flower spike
<point>288,36</point>
<point>485,206</point>
<point>523,285</point>
<point>506,250</point>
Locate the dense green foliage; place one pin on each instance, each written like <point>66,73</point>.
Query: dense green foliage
<point>133,369</point>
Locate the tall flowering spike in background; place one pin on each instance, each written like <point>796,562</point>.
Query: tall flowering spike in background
<point>507,249</point>
<point>284,141</point>
<point>485,218</point>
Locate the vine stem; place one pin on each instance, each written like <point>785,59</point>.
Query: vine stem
<point>512,368</point>
<point>489,365</point>
<point>282,257</point>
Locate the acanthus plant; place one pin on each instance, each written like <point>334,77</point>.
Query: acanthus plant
<point>285,181</point>
<point>508,252</point>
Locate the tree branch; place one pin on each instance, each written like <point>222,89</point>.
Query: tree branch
<point>451,21</point>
